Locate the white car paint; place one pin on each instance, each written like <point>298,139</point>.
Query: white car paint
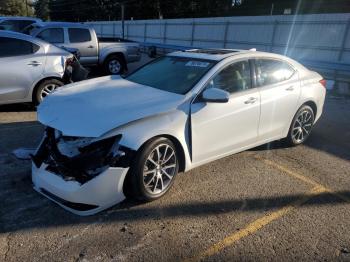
<point>109,106</point>
<point>104,98</point>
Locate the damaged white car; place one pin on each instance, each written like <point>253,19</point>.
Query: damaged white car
<point>110,137</point>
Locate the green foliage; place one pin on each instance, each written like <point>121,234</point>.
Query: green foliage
<point>42,9</point>
<point>16,8</point>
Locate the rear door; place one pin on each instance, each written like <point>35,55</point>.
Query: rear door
<point>279,87</point>
<point>21,65</point>
<point>80,38</point>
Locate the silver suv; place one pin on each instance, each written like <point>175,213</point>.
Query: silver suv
<point>30,68</point>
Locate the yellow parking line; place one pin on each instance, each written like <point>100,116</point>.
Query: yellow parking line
<point>261,222</point>
<point>287,171</point>
<point>256,225</point>
<point>300,177</point>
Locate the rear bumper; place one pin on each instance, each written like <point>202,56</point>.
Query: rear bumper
<point>99,193</point>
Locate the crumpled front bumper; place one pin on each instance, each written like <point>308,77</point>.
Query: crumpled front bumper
<point>99,193</point>
<point>86,182</point>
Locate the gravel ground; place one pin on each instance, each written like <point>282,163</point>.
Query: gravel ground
<point>268,203</point>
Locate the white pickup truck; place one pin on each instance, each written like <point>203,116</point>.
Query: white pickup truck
<point>113,54</point>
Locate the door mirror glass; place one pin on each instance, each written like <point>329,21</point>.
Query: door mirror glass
<point>215,95</point>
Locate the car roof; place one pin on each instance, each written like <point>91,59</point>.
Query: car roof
<point>6,33</point>
<point>19,18</point>
<point>11,33</point>
<point>63,24</point>
<point>221,54</point>
<point>209,54</point>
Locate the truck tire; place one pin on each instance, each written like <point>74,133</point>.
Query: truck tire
<point>114,65</point>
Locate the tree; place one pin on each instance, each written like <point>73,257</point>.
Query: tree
<point>42,10</point>
<point>16,7</point>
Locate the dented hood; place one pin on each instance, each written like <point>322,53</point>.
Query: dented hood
<point>94,107</point>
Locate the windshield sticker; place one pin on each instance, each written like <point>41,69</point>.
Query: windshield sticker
<point>197,64</point>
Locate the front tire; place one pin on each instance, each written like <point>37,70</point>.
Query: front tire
<point>301,126</point>
<point>154,170</point>
<point>44,89</point>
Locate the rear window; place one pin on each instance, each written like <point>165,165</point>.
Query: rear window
<point>16,47</point>
<point>79,35</point>
<point>172,74</point>
<point>270,71</point>
<point>52,35</point>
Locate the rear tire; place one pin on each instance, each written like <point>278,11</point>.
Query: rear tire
<point>301,126</point>
<point>45,88</point>
<point>114,65</point>
<point>154,170</point>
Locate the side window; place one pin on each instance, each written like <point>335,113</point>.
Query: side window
<point>52,35</point>
<point>78,35</point>
<point>234,78</point>
<point>271,71</point>
<point>16,47</point>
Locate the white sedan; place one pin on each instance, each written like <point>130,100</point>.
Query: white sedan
<point>110,137</point>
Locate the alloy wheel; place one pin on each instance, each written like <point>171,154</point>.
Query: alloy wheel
<point>114,66</point>
<point>302,126</point>
<point>48,89</point>
<point>159,169</point>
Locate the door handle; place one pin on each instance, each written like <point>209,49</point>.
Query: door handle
<point>34,63</point>
<point>291,88</point>
<point>251,100</point>
<point>90,46</point>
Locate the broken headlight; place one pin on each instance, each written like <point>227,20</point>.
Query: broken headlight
<point>79,158</point>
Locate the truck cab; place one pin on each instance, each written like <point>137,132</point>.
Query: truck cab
<point>112,54</point>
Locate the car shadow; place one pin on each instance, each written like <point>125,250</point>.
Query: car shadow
<point>25,209</point>
<point>20,107</point>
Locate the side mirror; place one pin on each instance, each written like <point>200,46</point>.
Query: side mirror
<point>215,95</point>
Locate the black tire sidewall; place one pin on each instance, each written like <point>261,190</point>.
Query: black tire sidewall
<point>36,97</point>
<point>136,172</point>
<point>290,139</point>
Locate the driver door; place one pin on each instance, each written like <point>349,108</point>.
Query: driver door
<point>220,129</point>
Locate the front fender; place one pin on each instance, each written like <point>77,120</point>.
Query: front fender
<point>174,124</point>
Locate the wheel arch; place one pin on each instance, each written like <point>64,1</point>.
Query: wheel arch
<point>311,104</point>
<point>179,149</point>
<point>119,54</point>
<point>36,86</point>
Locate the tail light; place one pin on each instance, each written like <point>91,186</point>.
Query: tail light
<point>323,82</point>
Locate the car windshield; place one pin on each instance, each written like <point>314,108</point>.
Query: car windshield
<point>172,74</point>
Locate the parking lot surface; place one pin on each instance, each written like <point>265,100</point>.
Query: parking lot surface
<point>268,203</point>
